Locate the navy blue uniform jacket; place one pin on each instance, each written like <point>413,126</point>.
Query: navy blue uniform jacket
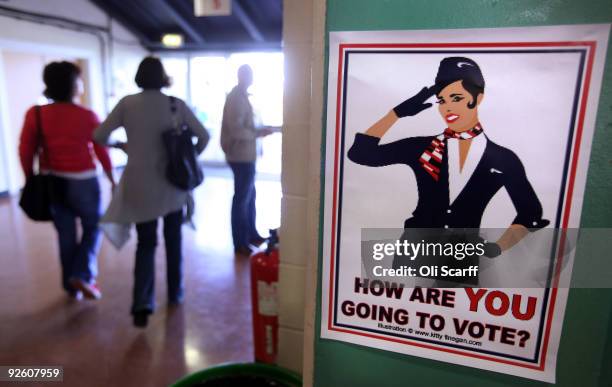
<point>499,167</point>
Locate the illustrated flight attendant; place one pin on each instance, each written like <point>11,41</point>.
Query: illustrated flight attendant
<point>458,171</point>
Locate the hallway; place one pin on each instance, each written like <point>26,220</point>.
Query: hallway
<point>95,342</point>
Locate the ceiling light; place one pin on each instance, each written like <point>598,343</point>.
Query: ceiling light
<point>172,40</point>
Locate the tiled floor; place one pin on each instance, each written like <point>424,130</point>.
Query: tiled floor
<point>95,341</point>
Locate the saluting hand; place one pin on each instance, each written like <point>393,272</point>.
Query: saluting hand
<point>415,104</point>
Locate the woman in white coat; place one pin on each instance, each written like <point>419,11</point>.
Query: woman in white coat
<point>144,194</point>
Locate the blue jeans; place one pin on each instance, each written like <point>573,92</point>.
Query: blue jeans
<point>243,203</point>
<point>144,269</point>
<point>72,199</point>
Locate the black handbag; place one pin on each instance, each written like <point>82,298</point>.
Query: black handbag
<point>183,169</point>
<point>35,198</point>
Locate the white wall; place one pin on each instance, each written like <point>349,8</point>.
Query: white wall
<point>3,175</point>
<point>22,90</point>
<point>81,10</point>
<point>51,41</point>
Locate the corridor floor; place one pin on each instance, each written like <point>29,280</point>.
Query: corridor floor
<point>95,341</point>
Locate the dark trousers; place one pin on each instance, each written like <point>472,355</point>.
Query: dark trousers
<point>243,203</point>
<point>144,269</point>
<point>72,199</point>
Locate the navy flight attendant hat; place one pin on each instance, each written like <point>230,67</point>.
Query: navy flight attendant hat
<point>458,68</point>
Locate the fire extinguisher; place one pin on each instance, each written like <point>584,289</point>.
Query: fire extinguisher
<point>264,284</point>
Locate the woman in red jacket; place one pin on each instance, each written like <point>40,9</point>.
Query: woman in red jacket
<point>66,152</point>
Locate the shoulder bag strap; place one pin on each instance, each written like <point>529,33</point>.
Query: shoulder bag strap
<point>40,140</point>
<point>173,110</point>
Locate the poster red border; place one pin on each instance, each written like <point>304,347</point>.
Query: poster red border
<point>591,46</point>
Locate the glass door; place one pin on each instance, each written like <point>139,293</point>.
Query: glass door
<point>208,91</point>
<point>213,77</point>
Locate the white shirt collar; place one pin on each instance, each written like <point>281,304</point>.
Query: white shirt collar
<point>457,179</point>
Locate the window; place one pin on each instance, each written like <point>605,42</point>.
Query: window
<point>208,91</point>
<point>177,68</point>
<point>204,81</point>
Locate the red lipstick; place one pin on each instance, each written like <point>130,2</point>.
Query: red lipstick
<point>451,117</point>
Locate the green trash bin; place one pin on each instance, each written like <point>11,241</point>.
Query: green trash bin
<point>241,375</point>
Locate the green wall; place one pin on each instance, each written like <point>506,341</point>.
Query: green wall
<point>585,354</point>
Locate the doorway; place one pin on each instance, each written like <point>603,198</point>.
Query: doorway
<point>205,80</point>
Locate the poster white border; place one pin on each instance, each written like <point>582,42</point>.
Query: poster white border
<point>595,39</point>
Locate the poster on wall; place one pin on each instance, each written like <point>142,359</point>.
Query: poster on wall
<point>455,169</point>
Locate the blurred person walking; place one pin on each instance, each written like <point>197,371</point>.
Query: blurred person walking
<point>144,194</point>
<point>61,134</point>
<point>238,141</point>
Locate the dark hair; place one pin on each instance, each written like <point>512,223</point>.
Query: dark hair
<point>151,74</point>
<point>60,78</point>
<point>474,90</point>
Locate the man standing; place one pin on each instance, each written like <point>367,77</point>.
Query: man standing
<point>238,141</point>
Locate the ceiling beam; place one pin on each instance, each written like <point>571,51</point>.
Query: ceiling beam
<point>247,22</point>
<point>181,21</point>
<point>117,16</point>
<point>218,47</point>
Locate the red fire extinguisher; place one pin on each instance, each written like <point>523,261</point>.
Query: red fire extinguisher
<point>264,284</point>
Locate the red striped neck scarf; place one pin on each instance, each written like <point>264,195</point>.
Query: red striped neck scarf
<point>431,159</point>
